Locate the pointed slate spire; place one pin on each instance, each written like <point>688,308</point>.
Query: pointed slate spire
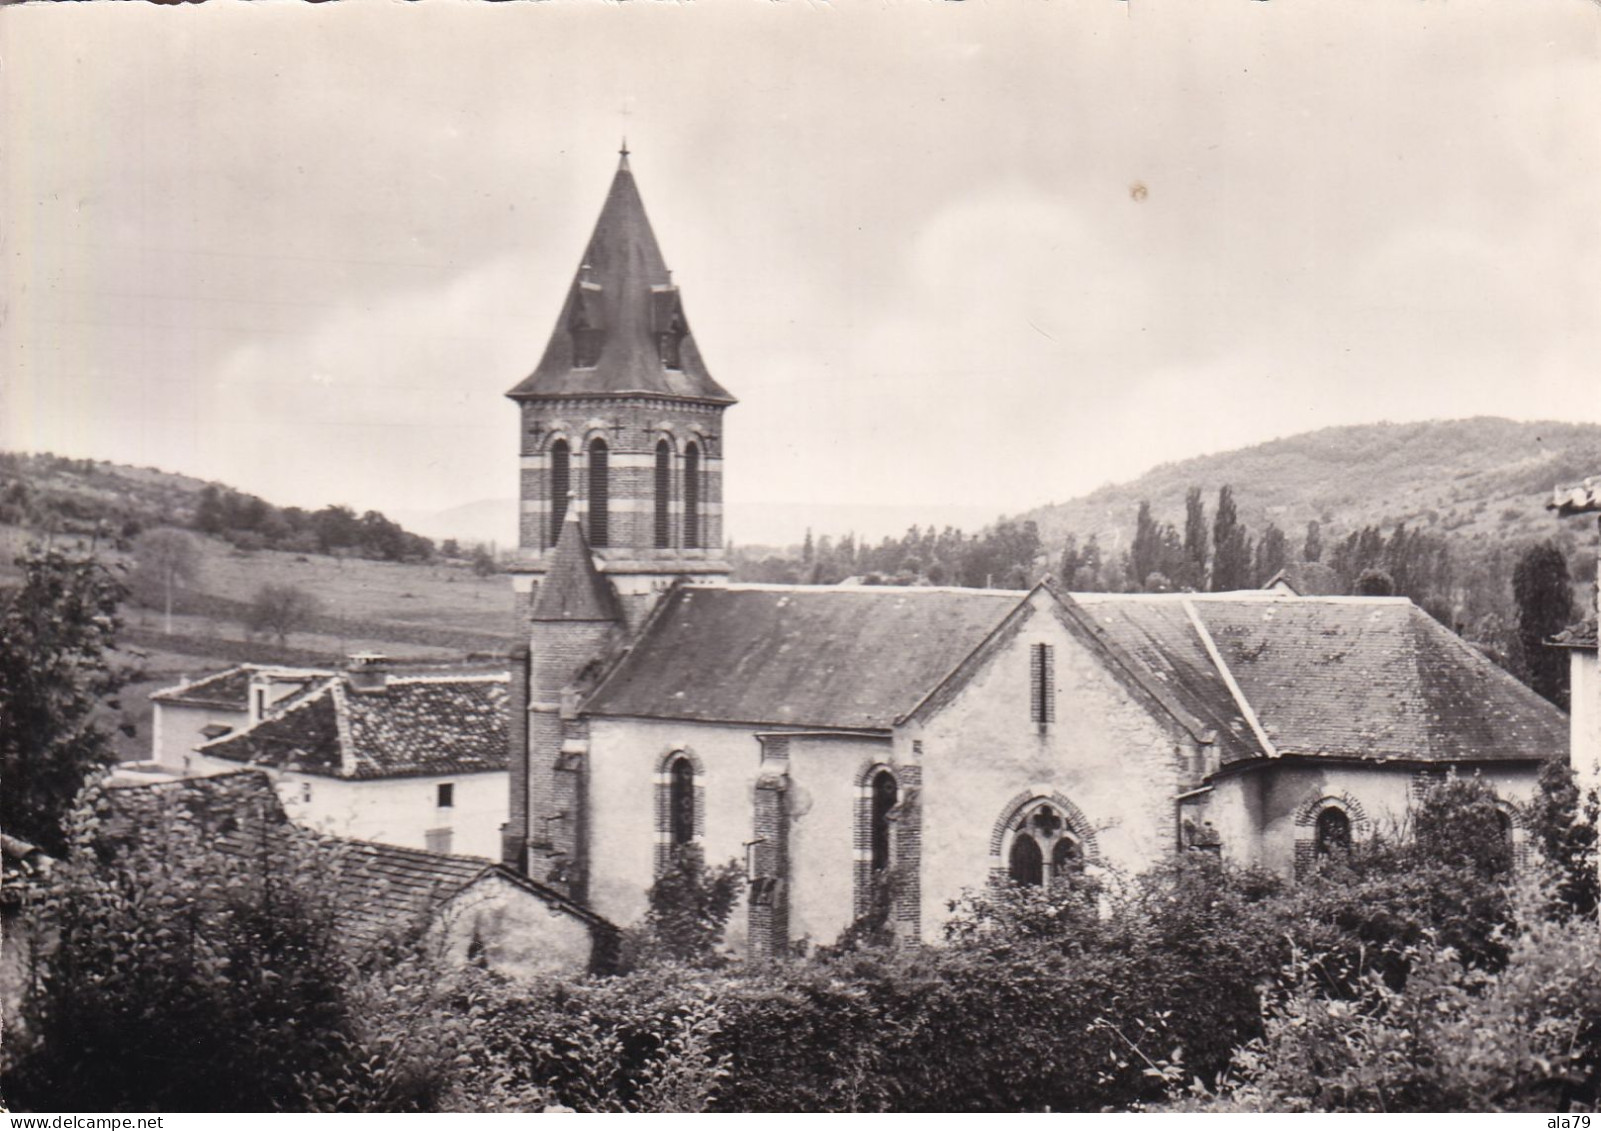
<point>573,589</point>
<point>622,329</point>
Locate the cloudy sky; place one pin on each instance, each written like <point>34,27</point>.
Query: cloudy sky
<point>981,255</point>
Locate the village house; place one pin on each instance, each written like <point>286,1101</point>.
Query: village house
<point>408,754</point>
<point>870,752</point>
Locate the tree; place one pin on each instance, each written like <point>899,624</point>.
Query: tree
<point>689,907</point>
<point>1194,573</point>
<point>180,974</point>
<point>1374,583</point>
<point>1312,550</point>
<point>167,558</point>
<point>280,609</point>
<point>1544,595</point>
<point>1564,823</point>
<point>1231,545</point>
<point>1145,554</point>
<point>1272,554</point>
<point>55,631</point>
<point>483,561</point>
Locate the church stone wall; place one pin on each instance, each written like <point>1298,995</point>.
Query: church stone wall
<point>1105,753</point>
<point>1266,816</point>
<point>825,832</point>
<point>622,804</point>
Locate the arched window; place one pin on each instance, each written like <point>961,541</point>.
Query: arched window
<point>599,492</point>
<point>885,794</point>
<point>664,492</point>
<point>1043,847</point>
<point>1027,864</point>
<point>561,481</point>
<point>1333,832</point>
<point>681,802</point>
<point>692,496</point>
<point>1067,857</point>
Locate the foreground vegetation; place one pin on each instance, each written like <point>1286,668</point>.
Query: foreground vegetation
<point>1411,974</point>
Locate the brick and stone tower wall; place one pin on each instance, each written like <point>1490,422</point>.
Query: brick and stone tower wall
<point>622,422</point>
<point>575,624</point>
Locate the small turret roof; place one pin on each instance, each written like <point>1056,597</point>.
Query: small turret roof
<point>573,589</point>
<point>623,293</point>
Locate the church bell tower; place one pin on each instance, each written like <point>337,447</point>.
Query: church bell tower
<point>622,422</point>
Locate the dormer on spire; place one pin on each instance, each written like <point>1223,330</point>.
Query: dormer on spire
<point>573,589</point>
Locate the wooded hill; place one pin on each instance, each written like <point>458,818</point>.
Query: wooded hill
<point>1477,480</point>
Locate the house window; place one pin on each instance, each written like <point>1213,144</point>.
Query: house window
<point>1332,835</point>
<point>681,803</point>
<point>1042,684</point>
<point>261,702</point>
<point>664,492</point>
<point>437,840</point>
<point>1043,847</point>
<point>305,792</point>
<point>446,795</point>
<point>599,492</point>
<point>560,486</point>
<point>885,794</point>
<point>692,496</point>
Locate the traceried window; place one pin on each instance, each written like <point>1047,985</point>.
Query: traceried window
<point>681,803</point>
<point>692,496</point>
<point>599,492</point>
<point>1042,684</point>
<point>664,494</point>
<point>1332,835</point>
<point>561,482</point>
<point>1043,848</point>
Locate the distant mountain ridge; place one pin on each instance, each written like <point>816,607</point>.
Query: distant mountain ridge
<point>1480,478</point>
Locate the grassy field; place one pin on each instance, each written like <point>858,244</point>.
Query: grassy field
<point>435,610</point>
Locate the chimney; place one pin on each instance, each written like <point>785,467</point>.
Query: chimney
<point>368,671</point>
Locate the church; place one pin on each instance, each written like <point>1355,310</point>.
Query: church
<point>869,753</point>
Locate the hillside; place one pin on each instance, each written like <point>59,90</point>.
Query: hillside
<point>1483,480</point>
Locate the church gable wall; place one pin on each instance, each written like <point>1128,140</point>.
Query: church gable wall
<point>1103,750</point>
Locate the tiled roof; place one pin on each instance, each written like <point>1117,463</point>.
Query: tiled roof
<point>1160,639</point>
<point>1371,678</point>
<point>624,292</point>
<point>381,890</point>
<point>1266,673</point>
<point>1581,635</point>
<point>412,726</point>
<point>229,689</point>
<point>799,655</point>
<point>377,891</point>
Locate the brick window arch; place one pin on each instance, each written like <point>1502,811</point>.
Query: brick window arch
<point>887,844</point>
<point>561,485</point>
<point>1039,836</point>
<point>599,492</point>
<point>680,804</point>
<point>692,500</point>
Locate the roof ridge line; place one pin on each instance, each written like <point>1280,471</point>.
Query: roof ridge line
<point>1229,681</point>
